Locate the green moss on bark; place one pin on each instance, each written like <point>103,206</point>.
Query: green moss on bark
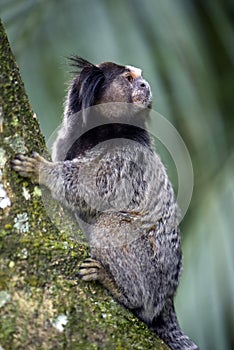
<point>39,286</point>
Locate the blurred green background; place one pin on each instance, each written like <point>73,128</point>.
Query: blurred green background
<point>186,51</point>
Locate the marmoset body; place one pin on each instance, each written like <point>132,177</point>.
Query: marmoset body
<point>105,169</point>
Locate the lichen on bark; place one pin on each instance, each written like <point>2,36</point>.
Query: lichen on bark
<point>43,304</point>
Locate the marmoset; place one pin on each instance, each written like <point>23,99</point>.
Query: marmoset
<point>106,171</point>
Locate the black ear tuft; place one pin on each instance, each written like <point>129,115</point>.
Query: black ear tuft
<point>86,88</point>
<point>79,62</point>
<point>91,80</point>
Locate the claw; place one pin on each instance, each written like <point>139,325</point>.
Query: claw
<point>35,154</point>
<point>17,156</point>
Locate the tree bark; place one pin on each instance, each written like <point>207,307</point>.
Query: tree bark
<point>43,304</point>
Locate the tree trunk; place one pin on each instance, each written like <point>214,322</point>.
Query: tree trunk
<point>43,304</point>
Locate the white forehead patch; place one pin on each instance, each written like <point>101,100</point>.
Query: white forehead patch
<point>136,72</point>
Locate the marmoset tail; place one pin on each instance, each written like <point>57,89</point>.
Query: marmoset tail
<point>106,171</point>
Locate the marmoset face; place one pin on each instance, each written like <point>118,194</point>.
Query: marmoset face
<point>125,84</point>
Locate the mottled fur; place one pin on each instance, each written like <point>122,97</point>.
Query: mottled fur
<point>106,171</point>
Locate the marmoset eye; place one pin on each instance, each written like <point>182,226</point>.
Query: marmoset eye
<point>129,78</point>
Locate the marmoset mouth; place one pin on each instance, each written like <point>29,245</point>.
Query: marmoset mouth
<point>141,99</point>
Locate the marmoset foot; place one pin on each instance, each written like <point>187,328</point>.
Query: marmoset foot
<point>92,270</point>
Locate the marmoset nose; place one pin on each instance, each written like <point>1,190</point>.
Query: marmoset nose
<point>141,84</point>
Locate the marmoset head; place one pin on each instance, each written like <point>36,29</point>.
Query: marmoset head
<point>104,102</point>
<point>106,83</point>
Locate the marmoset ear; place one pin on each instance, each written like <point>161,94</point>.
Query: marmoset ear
<point>86,87</point>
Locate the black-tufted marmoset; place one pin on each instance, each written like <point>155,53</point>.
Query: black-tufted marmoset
<point>105,169</point>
